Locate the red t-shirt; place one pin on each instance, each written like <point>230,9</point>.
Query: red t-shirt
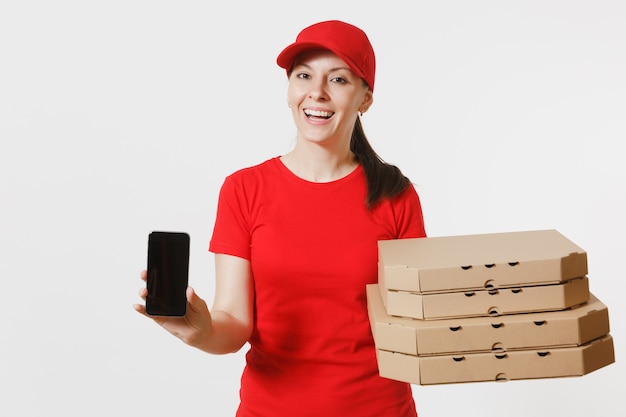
<point>313,248</point>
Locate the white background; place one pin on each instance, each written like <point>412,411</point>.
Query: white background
<point>121,117</point>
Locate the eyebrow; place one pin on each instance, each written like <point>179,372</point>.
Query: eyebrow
<point>331,70</point>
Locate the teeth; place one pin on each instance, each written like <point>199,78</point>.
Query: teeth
<point>318,113</point>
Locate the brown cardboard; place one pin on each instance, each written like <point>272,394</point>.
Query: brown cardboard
<point>503,366</point>
<point>495,260</point>
<point>571,327</point>
<point>493,302</point>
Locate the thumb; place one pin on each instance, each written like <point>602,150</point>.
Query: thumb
<point>196,304</point>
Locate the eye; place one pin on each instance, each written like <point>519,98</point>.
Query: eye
<point>303,75</point>
<point>339,80</point>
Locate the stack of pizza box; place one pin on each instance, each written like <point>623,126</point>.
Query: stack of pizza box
<point>488,307</point>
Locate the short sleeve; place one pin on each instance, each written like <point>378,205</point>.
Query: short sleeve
<point>408,213</point>
<point>231,232</point>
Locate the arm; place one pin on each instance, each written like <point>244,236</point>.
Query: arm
<point>232,306</point>
<point>227,328</point>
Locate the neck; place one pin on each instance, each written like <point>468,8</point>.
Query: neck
<point>318,164</point>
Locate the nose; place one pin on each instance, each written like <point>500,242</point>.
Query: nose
<point>318,90</point>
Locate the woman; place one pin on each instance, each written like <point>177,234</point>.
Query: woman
<point>295,243</point>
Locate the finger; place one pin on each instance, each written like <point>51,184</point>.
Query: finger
<point>144,275</point>
<point>193,299</point>
<point>140,308</point>
<point>191,295</point>
<point>143,293</point>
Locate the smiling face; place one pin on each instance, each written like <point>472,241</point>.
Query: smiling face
<point>325,97</point>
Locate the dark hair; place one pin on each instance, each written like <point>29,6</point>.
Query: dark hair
<point>383,180</point>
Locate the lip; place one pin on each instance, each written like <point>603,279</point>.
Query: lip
<point>317,115</point>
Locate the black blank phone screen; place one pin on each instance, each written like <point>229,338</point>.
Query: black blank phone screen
<point>168,270</point>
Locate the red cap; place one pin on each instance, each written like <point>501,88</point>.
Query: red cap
<point>346,41</point>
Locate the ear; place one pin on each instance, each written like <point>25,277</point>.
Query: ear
<point>367,102</point>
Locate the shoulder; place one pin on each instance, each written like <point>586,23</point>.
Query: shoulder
<point>410,211</point>
<point>254,174</point>
<point>408,200</point>
<point>261,169</point>
<point>405,211</point>
<point>253,183</point>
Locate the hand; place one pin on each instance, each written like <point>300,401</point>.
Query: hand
<point>193,328</point>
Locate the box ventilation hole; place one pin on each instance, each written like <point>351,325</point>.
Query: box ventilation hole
<point>501,378</point>
<point>497,348</point>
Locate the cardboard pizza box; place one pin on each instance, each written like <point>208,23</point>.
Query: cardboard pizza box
<point>497,366</point>
<point>485,303</point>
<point>481,261</point>
<point>571,327</point>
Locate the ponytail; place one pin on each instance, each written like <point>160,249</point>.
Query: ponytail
<point>384,181</point>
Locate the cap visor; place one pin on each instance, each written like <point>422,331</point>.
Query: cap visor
<point>286,57</point>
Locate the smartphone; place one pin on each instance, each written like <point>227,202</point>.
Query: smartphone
<point>168,273</point>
